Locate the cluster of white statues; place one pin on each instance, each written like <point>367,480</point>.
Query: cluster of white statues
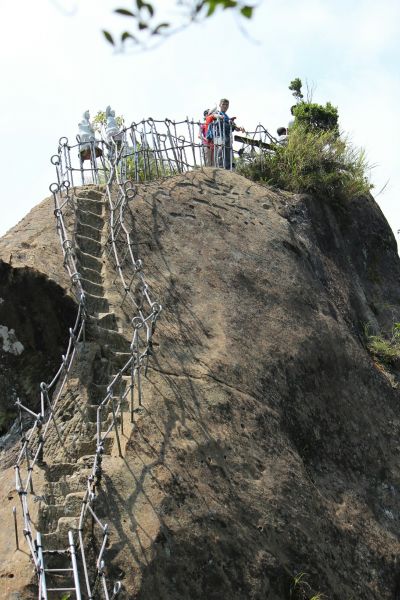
<point>87,136</point>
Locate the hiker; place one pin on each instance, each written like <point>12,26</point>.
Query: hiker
<point>208,146</point>
<point>282,136</point>
<point>220,132</point>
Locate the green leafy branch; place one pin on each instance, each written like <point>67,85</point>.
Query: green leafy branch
<point>145,26</point>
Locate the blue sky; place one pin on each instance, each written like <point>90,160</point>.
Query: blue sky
<point>56,66</point>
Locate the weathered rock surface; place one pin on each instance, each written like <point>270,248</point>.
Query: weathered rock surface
<point>36,308</point>
<point>268,446</point>
<point>33,243</point>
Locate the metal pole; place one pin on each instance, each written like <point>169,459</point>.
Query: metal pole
<point>138,368</point>
<point>132,384</point>
<point>42,575</point>
<point>16,527</point>
<point>121,404</point>
<point>74,565</point>
<point>116,427</point>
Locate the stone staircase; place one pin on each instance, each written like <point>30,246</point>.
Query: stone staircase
<point>66,482</point>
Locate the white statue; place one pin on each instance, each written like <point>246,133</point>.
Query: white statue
<point>86,131</point>
<point>112,128</point>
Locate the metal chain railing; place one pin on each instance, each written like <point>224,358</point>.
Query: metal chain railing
<point>33,441</point>
<point>144,151</point>
<point>153,149</point>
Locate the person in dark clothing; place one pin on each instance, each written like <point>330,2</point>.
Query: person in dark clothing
<point>223,126</point>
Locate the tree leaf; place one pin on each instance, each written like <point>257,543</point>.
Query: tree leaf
<point>212,5</point>
<point>159,27</point>
<point>139,4</point>
<point>149,8</point>
<point>109,37</point>
<point>126,35</point>
<point>229,4</point>
<point>126,13</point>
<point>247,11</point>
<point>142,25</point>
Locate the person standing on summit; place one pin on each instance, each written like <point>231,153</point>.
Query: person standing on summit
<point>208,146</point>
<point>222,128</point>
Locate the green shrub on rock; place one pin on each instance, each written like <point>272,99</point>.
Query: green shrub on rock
<point>386,351</point>
<point>316,116</point>
<point>313,161</point>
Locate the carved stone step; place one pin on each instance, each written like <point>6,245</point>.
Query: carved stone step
<point>96,304</point>
<point>90,275</point>
<point>87,261</point>
<point>89,218</point>
<point>89,245</point>
<point>60,471</point>
<point>91,411</point>
<point>89,205</point>
<point>58,539</point>
<point>107,320</point>
<point>108,337</point>
<point>54,492</point>
<point>97,393</point>
<point>49,514</point>
<point>92,191</point>
<point>89,230</point>
<point>117,359</point>
<point>92,288</point>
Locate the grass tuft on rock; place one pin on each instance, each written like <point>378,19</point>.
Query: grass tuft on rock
<point>386,351</point>
<point>313,161</point>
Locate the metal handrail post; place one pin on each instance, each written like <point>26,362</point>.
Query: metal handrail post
<point>74,565</point>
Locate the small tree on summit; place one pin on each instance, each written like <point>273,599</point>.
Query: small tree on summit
<point>315,158</point>
<point>295,86</point>
<point>316,116</point>
<point>313,116</point>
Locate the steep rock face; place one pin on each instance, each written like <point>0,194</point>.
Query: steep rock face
<point>268,446</point>
<point>36,309</point>
<point>279,433</point>
<point>34,243</point>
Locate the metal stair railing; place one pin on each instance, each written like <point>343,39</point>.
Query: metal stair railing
<point>89,500</point>
<point>140,350</point>
<point>152,149</point>
<point>144,151</point>
<point>33,441</point>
